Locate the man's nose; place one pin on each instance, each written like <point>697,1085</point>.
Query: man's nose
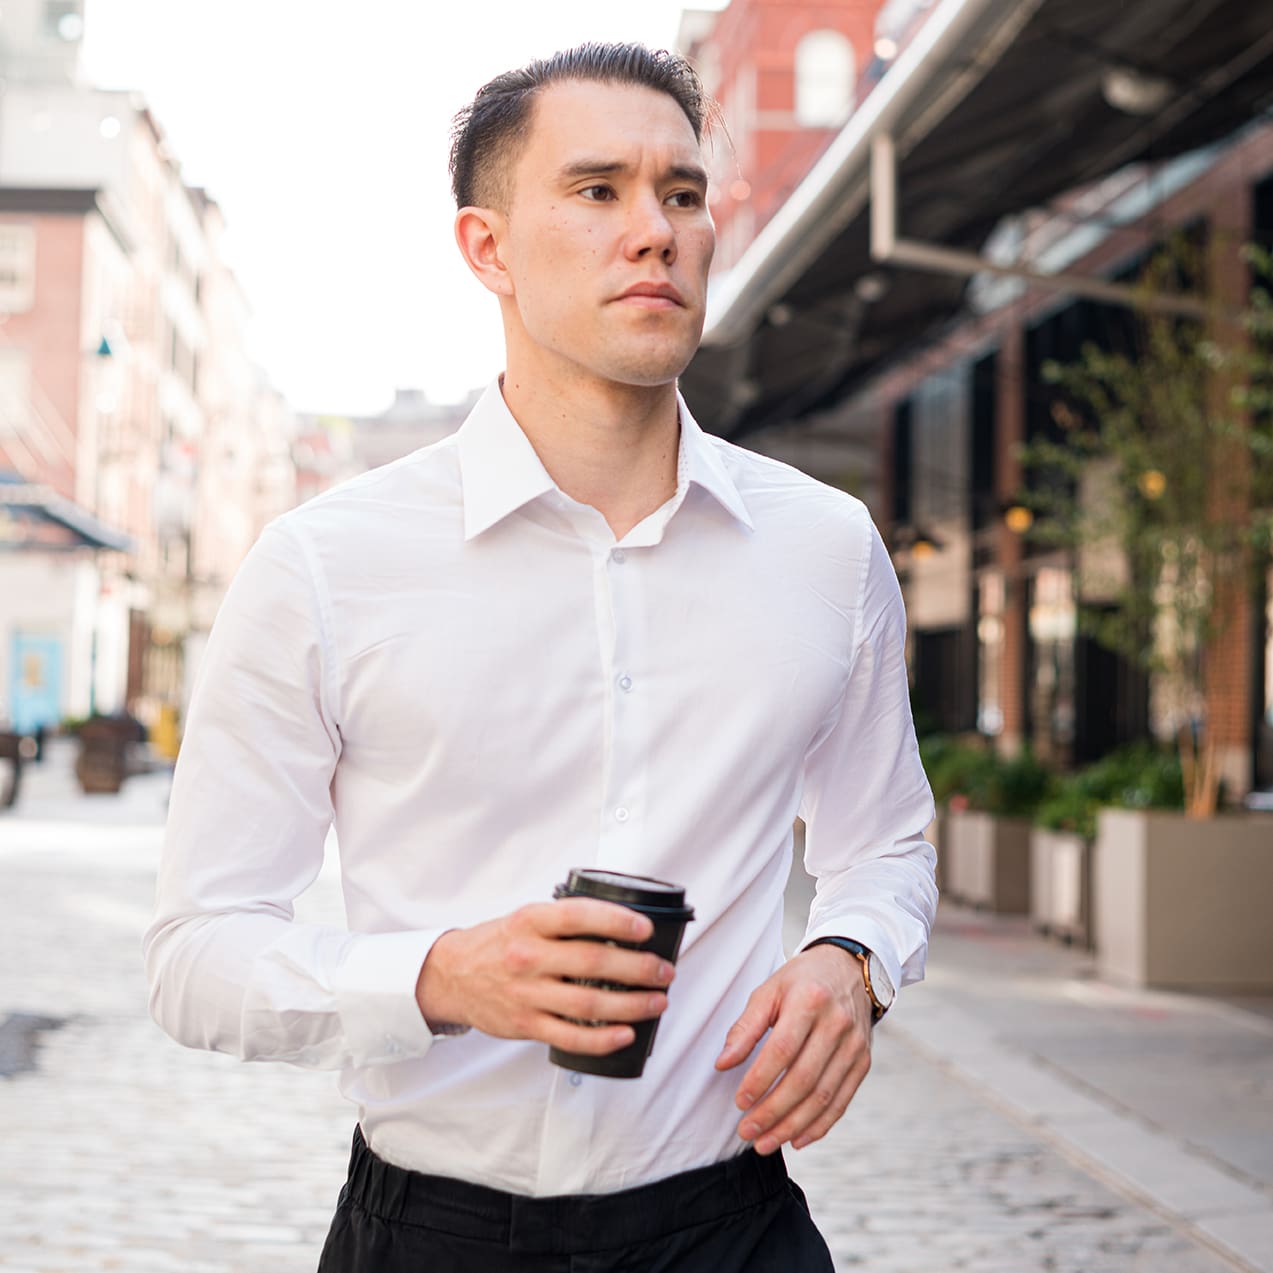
<point>650,231</point>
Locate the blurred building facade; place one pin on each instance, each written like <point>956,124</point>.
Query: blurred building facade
<point>125,388</point>
<point>410,421</point>
<point>865,338</point>
<point>331,448</point>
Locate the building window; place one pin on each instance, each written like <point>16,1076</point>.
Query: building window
<point>826,75</point>
<point>991,601</point>
<point>17,268</point>
<point>1052,627</point>
<point>15,396</point>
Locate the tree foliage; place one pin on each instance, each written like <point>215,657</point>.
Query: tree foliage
<point>1158,476</point>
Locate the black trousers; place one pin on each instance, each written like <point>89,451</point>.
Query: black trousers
<point>742,1216</point>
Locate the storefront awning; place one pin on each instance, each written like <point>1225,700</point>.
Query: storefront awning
<point>996,107</point>
<point>37,519</point>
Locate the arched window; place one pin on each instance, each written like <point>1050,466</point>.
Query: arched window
<point>826,75</point>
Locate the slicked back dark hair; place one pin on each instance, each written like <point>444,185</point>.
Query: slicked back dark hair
<point>488,133</point>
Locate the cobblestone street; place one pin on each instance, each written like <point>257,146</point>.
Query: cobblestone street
<point>123,1151</point>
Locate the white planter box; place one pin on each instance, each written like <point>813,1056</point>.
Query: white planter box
<point>1061,884</point>
<point>1184,903</point>
<point>988,860</point>
<point>1041,879</point>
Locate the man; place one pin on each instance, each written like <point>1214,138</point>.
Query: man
<point>580,632</point>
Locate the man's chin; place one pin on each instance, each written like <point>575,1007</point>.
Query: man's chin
<point>651,370</point>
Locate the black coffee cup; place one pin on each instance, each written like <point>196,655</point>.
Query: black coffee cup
<point>665,904</point>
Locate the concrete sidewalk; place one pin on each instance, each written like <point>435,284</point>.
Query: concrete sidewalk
<point>1166,1097</point>
<point>1023,1115</point>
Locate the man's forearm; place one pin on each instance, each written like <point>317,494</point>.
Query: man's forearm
<point>262,987</point>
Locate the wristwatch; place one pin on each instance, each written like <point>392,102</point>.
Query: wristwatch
<point>879,986</point>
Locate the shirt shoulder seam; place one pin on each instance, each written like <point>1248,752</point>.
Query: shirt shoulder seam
<point>324,613</point>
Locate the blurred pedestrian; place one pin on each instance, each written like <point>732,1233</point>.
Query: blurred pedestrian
<point>580,632</point>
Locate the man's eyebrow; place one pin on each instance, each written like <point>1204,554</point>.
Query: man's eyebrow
<point>617,168</point>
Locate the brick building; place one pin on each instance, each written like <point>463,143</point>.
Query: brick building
<point>125,391</point>
<point>787,74</point>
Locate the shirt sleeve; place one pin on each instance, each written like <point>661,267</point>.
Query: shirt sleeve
<point>866,800</point>
<point>229,967</point>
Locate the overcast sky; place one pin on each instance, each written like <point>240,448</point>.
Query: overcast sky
<point>321,128</point>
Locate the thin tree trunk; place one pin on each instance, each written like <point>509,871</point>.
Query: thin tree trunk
<point>1198,770</point>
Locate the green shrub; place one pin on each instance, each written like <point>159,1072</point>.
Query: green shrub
<point>1069,807</point>
<point>1009,786</point>
<point>952,765</point>
<point>1012,787</point>
<point>1139,776</point>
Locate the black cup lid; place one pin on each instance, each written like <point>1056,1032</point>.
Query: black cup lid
<point>628,890</point>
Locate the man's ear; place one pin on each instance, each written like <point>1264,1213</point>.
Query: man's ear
<point>480,235</point>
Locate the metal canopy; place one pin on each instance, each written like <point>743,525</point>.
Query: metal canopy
<point>36,518</point>
<point>983,132</point>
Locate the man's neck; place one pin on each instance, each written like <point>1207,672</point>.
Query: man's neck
<point>613,447</point>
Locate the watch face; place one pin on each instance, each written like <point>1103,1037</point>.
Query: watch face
<point>880,982</point>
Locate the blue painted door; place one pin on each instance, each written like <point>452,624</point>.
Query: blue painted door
<point>35,682</point>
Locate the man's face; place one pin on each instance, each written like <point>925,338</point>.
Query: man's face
<point>608,239</point>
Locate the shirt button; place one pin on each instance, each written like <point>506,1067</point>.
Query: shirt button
<point>618,556</point>
<point>621,814</point>
<point>625,683</point>
<point>575,1080</point>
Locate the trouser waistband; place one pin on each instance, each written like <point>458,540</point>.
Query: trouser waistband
<point>565,1224</point>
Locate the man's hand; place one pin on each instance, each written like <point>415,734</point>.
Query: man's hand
<point>509,976</point>
<point>816,1057</point>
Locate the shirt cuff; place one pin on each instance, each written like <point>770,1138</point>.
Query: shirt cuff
<point>375,987</point>
<point>864,931</point>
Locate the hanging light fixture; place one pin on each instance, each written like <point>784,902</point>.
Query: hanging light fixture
<point>1018,518</point>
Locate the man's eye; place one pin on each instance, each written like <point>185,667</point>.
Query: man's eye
<point>686,199</point>
<point>597,194</point>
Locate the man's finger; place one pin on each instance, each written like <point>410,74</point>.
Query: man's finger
<point>750,1027</point>
<point>584,1039</point>
<point>577,960</point>
<point>796,1021</point>
<point>587,1003</point>
<point>827,1118</point>
<point>588,917</point>
<point>820,1066</point>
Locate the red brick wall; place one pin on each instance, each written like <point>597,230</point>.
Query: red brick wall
<point>50,334</point>
<point>759,37</point>
<point>1229,684</point>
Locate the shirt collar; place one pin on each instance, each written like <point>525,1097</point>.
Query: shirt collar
<point>500,472</point>
<point>700,462</point>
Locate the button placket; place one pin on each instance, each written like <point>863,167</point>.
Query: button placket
<point>623,814</point>
<point>569,1135</point>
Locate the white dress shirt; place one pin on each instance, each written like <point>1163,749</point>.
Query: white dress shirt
<point>458,665</point>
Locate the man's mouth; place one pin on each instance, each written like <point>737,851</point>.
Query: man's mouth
<point>652,296</point>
